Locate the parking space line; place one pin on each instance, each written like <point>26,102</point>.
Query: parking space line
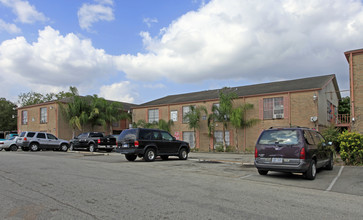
<point>246,176</point>
<point>334,180</point>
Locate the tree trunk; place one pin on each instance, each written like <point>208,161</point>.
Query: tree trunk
<point>224,140</point>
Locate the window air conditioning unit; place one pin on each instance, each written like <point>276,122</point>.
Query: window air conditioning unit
<point>278,116</point>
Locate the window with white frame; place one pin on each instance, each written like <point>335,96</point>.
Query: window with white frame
<point>24,117</point>
<point>218,136</point>
<point>174,115</point>
<point>186,109</point>
<point>273,108</point>
<point>188,136</point>
<point>43,115</point>
<point>153,115</point>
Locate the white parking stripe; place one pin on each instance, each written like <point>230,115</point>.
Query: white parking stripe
<point>334,180</point>
<point>246,176</point>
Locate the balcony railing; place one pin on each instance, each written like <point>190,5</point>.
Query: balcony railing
<point>343,119</point>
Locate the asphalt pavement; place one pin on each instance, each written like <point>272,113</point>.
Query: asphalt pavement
<point>238,158</point>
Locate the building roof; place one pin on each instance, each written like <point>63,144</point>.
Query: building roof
<point>311,83</point>
<point>347,53</point>
<point>126,106</point>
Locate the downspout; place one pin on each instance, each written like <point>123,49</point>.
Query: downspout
<point>351,84</point>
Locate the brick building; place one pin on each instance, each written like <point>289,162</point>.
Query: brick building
<point>308,102</point>
<point>48,117</point>
<point>355,60</point>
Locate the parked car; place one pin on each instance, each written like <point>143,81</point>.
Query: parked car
<point>93,141</point>
<point>9,144</point>
<point>295,150</point>
<point>8,136</point>
<point>35,141</point>
<point>150,143</point>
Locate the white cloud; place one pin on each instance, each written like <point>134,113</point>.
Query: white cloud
<point>91,13</point>
<point>53,62</point>
<point>25,12</point>
<point>154,86</point>
<point>10,28</point>
<point>149,21</point>
<point>121,91</point>
<point>254,40</point>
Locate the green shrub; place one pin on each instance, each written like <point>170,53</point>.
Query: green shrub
<point>331,134</point>
<point>219,148</point>
<point>351,148</point>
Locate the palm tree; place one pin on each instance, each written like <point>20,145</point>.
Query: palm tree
<point>165,125</point>
<point>221,113</point>
<point>193,118</point>
<point>238,119</point>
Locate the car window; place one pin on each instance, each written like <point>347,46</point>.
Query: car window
<point>96,135</point>
<point>308,138</point>
<point>145,134</point>
<point>156,135</point>
<point>22,134</point>
<point>30,134</point>
<point>41,135</point>
<point>129,134</point>
<point>166,136</point>
<point>287,137</point>
<point>317,137</point>
<point>83,135</point>
<point>52,137</point>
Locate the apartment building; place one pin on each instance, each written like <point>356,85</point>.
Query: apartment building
<point>355,60</point>
<point>308,102</point>
<point>48,117</point>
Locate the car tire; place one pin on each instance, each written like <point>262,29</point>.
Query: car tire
<point>13,147</point>
<point>311,173</point>
<point>91,148</point>
<point>150,155</point>
<point>262,172</point>
<point>63,147</point>
<point>330,165</point>
<point>183,154</point>
<point>164,157</point>
<point>34,147</point>
<point>130,157</point>
<point>7,149</point>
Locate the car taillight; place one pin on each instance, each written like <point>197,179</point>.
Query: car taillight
<point>99,141</point>
<point>302,153</point>
<point>136,144</point>
<point>25,139</point>
<point>256,153</point>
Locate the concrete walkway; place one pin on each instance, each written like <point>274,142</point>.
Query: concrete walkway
<point>240,158</point>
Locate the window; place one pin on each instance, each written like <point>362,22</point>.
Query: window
<point>273,108</point>
<point>174,115</point>
<point>331,110</point>
<point>24,117</point>
<point>186,109</point>
<point>188,136</point>
<point>43,115</point>
<point>166,136</point>
<point>308,138</point>
<point>41,135</point>
<point>51,137</point>
<point>280,137</point>
<point>218,135</point>
<point>153,115</point>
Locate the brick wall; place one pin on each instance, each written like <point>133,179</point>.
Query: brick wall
<point>358,92</point>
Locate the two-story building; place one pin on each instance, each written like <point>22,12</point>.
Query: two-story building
<point>355,60</point>
<point>307,102</point>
<point>48,117</point>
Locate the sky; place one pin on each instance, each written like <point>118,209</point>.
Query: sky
<point>136,51</point>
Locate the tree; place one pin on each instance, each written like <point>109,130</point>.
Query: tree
<point>238,119</point>
<point>111,112</point>
<point>344,105</point>
<point>8,115</point>
<point>193,118</point>
<point>165,125</point>
<point>222,112</point>
<point>32,98</point>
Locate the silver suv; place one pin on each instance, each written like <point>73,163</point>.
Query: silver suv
<point>35,141</point>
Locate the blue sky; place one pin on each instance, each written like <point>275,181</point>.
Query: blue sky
<point>139,50</point>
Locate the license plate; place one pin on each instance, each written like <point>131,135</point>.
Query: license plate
<point>125,145</point>
<point>276,160</point>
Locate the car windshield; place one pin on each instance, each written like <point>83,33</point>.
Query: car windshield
<point>129,134</point>
<point>283,137</point>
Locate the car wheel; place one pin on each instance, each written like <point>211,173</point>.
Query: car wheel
<point>13,147</point>
<point>183,154</point>
<point>130,157</point>
<point>91,148</point>
<point>64,147</point>
<point>34,147</point>
<point>150,155</point>
<point>311,173</point>
<point>164,157</point>
<point>263,172</point>
<point>330,165</point>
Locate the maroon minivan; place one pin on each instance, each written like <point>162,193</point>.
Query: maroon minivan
<point>294,150</point>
